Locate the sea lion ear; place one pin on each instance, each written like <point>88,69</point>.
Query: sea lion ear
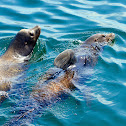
<point>65,59</point>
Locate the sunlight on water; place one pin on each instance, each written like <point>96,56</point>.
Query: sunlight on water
<point>100,97</point>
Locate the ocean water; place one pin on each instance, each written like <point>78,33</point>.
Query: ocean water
<point>65,24</point>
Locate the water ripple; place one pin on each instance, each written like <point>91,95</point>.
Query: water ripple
<point>65,24</point>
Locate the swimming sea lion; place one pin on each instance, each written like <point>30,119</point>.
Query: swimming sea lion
<point>12,61</point>
<point>53,85</point>
<point>86,54</point>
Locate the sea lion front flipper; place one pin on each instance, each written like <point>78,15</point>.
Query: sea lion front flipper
<point>65,59</point>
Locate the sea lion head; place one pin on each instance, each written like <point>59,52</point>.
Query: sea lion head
<point>100,38</point>
<point>25,40</point>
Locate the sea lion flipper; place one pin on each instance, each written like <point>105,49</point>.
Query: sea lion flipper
<point>65,59</point>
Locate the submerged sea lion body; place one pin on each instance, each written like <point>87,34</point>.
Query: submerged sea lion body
<point>12,61</point>
<point>71,62</point>
<point>49,93</point>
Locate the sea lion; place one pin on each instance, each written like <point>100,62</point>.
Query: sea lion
<point>86,54</point>
<point>54,83</point>
<point>12,61</point>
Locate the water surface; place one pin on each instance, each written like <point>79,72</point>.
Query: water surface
<point>64,23</point>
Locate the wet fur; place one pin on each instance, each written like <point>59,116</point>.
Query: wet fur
<point>12,61</point>
<point>53,86</point>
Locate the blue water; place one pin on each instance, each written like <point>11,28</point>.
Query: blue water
<point>65,23</point>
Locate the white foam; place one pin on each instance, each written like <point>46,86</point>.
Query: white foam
<point>3,93</point>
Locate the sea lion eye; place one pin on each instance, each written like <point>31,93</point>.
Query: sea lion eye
<point>103,35</point>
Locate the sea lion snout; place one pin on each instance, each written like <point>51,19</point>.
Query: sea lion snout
<point>110,37</point>
<point>35,32</point>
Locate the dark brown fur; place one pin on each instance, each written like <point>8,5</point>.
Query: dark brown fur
<point>55,88</point>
